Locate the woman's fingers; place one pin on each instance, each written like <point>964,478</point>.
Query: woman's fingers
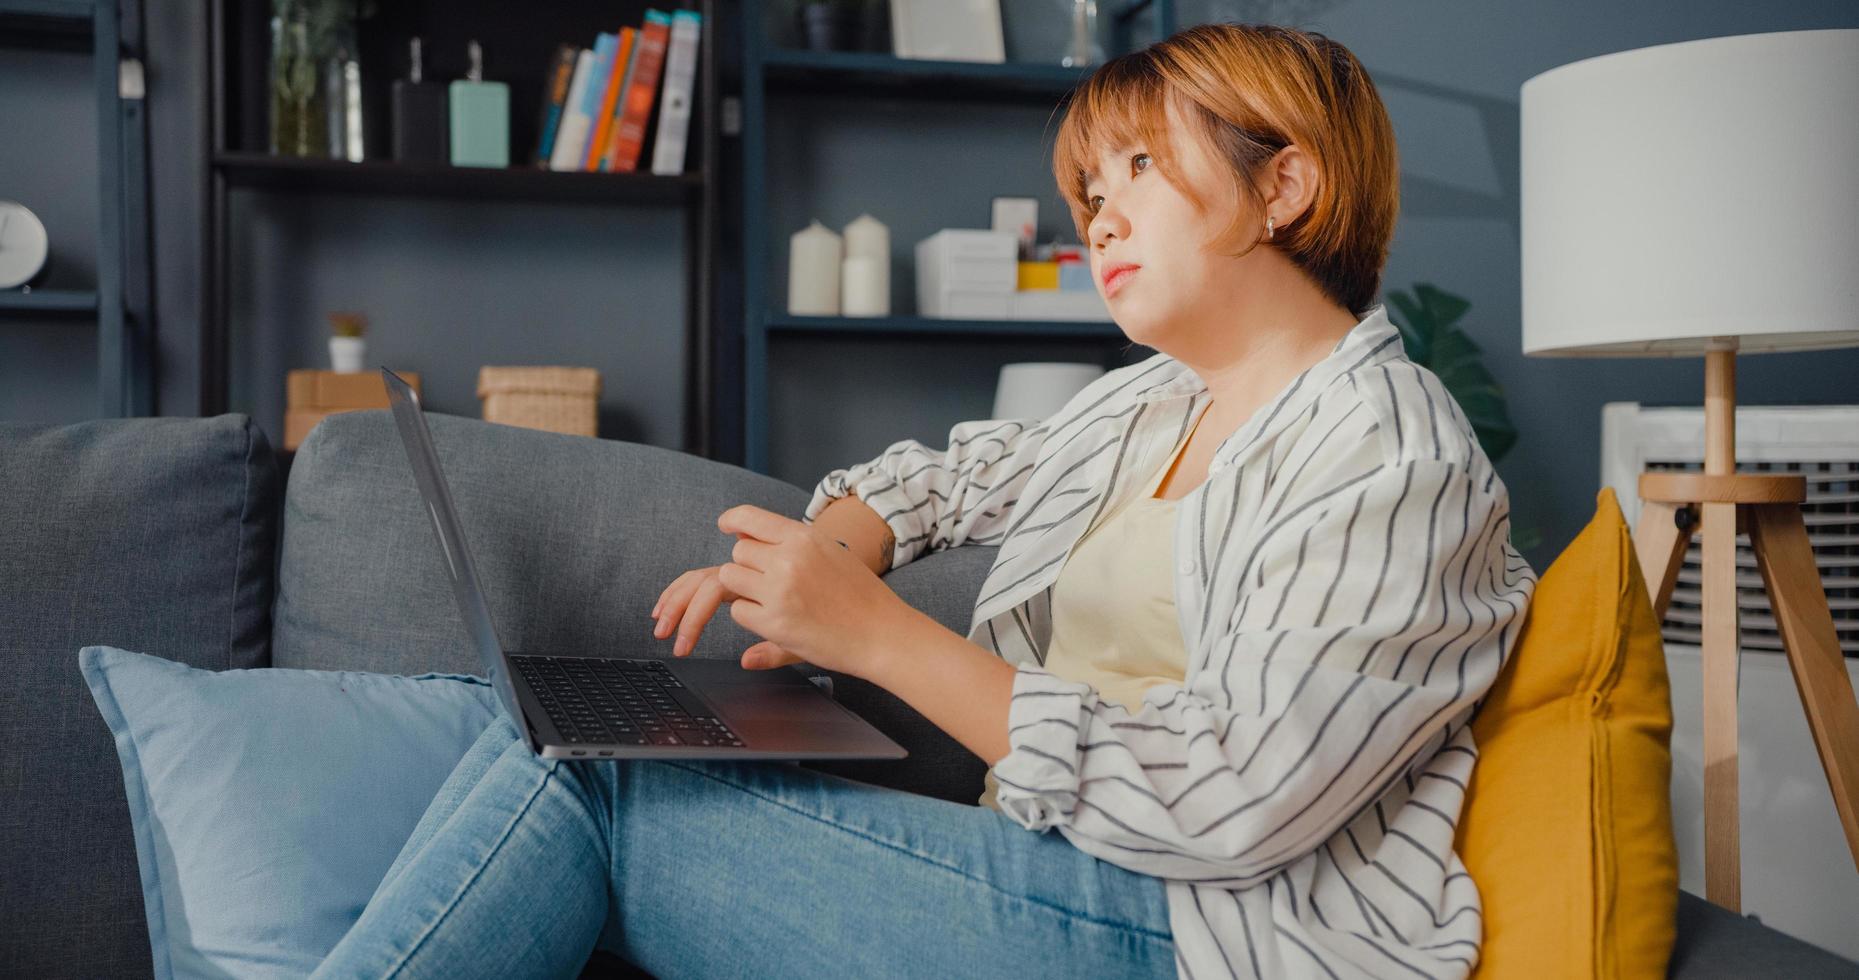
<point>671,604</point>
<point>709,595</point>
<point>678,587</point>
<point>750,553</point>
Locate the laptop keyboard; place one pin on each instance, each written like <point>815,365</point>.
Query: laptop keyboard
<point>620,702</point>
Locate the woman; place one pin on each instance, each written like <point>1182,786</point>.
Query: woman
<point>1248,594</point>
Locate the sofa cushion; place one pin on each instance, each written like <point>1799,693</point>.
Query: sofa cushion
<point>1567,825</point>
<point>1715,943</point>
<point>269,803</point>
<point>152,534</point>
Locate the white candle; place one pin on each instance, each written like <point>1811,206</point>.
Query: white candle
<point>867,235</point>
<point>865,286</point>
<point>813,271</point>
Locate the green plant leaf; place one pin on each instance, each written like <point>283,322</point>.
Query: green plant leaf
<point>1444,308</point>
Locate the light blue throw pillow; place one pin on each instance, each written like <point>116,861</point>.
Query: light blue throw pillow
<point>267,804</point>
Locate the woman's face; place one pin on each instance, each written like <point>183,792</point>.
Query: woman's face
<point>1141,219</point>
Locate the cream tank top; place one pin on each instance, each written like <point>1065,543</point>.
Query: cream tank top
<point>1113,604</point>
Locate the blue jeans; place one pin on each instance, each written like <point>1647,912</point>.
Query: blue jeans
<point>522,866</point>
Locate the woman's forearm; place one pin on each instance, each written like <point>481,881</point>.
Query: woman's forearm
<point>961,688</point>
<point>851,520</point>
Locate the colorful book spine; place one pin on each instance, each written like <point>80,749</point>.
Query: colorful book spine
<point>616,83</point>
<point>674,114</point>
<point>641,91</point>
<point>578,119</point>
<point>554,96</point>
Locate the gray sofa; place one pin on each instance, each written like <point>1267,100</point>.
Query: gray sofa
<point>179,537</point>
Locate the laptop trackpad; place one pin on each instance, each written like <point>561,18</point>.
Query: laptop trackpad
<point>773,703</point>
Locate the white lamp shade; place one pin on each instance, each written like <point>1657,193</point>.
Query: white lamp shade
<point>1685,192</point>
<point>1036,389</point>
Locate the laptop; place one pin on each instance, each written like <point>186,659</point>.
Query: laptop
<point>585,705</point>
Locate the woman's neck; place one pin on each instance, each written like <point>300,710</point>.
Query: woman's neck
<point>1254,365</point>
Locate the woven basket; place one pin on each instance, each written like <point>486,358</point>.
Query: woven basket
<point>555,399</point>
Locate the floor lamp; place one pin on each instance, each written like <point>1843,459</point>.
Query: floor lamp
<point>1702,198</point>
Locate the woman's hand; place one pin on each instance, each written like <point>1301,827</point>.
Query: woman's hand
<point>803,593</point>
<point>686,606</point>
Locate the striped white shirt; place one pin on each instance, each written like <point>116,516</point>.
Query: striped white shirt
<point>1346,591</point>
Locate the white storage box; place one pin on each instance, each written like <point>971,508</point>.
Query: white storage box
<point>958,267</point>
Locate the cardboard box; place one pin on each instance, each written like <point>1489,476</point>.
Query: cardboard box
<point>311,396</point>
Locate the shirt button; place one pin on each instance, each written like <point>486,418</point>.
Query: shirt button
<point>1187,566</point>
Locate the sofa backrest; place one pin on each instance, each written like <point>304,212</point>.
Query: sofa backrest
<point>574,539</point>
<point>156,535</point>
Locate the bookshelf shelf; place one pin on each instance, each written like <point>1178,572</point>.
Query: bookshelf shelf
<point>789,70</point>
<point>48,302</point>
<point>941,326</point>
<point>414,180</point>
<point>43,23</point>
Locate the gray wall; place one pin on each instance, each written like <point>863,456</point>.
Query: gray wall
<point>567,286</point>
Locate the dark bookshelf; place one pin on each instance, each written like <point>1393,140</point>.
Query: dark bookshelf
<point>780,78</point>
<point>519,41</point>
<point>122,304</point>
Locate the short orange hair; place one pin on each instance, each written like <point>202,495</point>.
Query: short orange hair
<point>1248,90</point>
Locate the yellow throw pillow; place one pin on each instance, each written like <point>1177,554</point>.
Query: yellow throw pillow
<point>1567,825</point>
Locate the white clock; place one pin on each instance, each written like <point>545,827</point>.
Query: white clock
<point>23,245</point>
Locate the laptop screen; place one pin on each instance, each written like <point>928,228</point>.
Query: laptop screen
<point>410,419</point>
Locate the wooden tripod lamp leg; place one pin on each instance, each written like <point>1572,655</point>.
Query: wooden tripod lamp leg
<point>1722,837</point>
<point>1660,544</point>
<point>1779,538</point>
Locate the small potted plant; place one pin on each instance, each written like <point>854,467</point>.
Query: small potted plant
<point>347,348</point>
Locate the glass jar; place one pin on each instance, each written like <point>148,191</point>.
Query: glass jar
<point>1085,48</point>
<point>299,124</point>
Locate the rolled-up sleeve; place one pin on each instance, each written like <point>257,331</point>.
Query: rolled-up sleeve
<point>936,499</point>
<point>1369,621</point>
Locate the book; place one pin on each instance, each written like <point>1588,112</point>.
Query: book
<point>554,94</point>
<point>641,91</point>
<point>674,114</point>
<point>616,82</point>
<point>578,118</point>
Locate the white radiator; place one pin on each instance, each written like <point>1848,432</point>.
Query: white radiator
<point>1798,875</point>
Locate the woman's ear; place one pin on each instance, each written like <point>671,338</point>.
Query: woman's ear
<point>1290,186</point>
